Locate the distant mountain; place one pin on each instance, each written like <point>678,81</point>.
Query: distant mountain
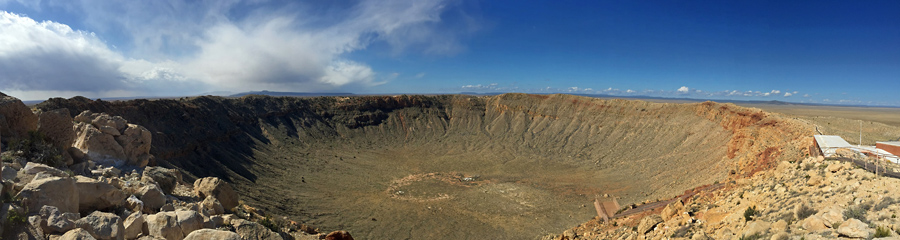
<point>290,94</point>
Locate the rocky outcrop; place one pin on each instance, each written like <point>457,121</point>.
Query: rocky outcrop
<point>134,225</point>
<point>56,221</point>
<point>189,221</point>
<point>204,234</point>
<point>252,230</point>
<point>110,140</point>
<point>166,179</point>
<point>96,195</point>
<point>848,203</point>
<point>136,203</point>
<point>102,226</point>
<point>217,188</point>
<point>164,225</point>
<point>16,119</point>
<point>152,198</point>
<point>854,228</point>
<point>58,127</point>
<point>212,206</point>
<point>648,223</point>
<point>59,192</point>
<point>77,234</point>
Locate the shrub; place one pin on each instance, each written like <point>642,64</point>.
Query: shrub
<point>271,225</point>
<point>15,218</point>
<point>881,232</point>
<point>755,236</point>
<point>804,211</point>
<point>887,201</point>
<point>857,212</point>
<point>37,148</point>
<point>750,213</point>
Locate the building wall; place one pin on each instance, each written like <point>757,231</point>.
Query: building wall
<point>890,148</point>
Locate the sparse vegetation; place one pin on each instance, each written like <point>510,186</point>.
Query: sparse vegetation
<point>7,198</point>
<point>881,232</point>
<point>858,212</point>
<point>36,148</point>
<point>886,202</point>
<point>268,223</point>
<point>750,213</point>
<point>804,211</point>
<point>15,218</point>
<point>755,236</point>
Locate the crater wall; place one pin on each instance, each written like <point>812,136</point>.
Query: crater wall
<point>525,165</point>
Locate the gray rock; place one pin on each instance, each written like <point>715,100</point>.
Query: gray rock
<point>854,228</point>
<point>102,225</point>
<point>211,206</point>
<point>98,146</point>
<point>8,173</point>
<point>134,225</point>
<point>56,221</point>
<point>756,227</point>
<point>57,126</point>
<point>77,234</point>
<point>96,195</point>
<point>166,178</point>
<point>189,221</point>
<point>218,188</point>
<point>152,197</point>
<point>135,141</point>
<point>164,225</point>
<point>203,234</point>
<point>16,119</point>
<point>251,230</point>
<point>648,222</point>
<point>54,191</point>
<point>32,168</point>
<point>134,204</point>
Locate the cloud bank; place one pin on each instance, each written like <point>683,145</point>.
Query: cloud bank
<point>185,47</point>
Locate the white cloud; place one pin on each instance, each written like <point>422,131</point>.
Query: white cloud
<point>52,57</point>
<point>806,95</point>
<point>683,89</point>
<point>420,75</point>
<point>629,91</point>
<point>787,94</point>
<point>196,45</point>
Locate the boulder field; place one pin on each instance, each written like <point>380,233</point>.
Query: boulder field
<point>87,177</point>
<point>809,198</point>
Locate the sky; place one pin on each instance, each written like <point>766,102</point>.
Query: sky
<point>831,52</point>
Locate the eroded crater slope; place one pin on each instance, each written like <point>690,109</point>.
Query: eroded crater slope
<point>451,166</point>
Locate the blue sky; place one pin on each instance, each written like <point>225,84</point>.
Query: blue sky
<point>836,52</point>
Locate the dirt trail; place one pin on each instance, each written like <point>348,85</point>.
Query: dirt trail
<point>659,204</point>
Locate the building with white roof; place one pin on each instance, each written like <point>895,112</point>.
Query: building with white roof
<point>828,144</point>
